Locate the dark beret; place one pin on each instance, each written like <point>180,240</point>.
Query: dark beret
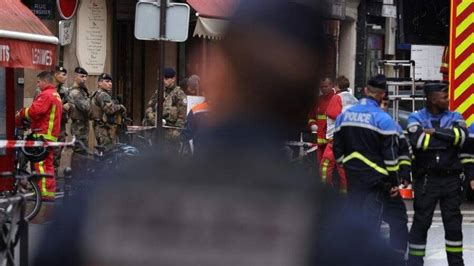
<point>80,70</point>
<point>104,76</point>
<point>378,81</point>
<point>434,87</point>
<point>60,69</point>
<point>169,73</point>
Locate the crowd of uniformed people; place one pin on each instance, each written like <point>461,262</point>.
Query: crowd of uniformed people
<point>376,158</point>
<point>55,105</point>
<point>239,204</point>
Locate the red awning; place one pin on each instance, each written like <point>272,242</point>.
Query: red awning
<point>25,42</point>
<point>213,8</point>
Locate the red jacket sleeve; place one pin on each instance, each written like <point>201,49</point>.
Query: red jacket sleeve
<point>334,108</point>
<point>40,106</point>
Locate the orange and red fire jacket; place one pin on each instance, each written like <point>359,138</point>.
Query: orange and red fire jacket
<point>45,114</point>
<point>318,117</point>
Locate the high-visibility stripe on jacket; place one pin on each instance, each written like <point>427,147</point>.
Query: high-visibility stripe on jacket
<point>438,150</point>
<point>45,114</point>
<point>366,142</point>
<point>318,116</point>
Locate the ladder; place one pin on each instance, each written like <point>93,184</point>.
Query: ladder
<point>396,82</point>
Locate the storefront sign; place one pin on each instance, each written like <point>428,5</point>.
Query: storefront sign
<point>66,29</point>
<point>67,8</point>
<point>92,35</point>
<point>389,11</point>
<point>24,54</point>
<point>43,9</point>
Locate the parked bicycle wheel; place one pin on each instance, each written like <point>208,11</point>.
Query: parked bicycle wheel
<point>30,190</point>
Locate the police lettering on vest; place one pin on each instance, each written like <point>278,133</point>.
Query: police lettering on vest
<point>357,117</point>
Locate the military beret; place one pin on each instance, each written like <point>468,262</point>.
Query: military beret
<point>104,76</point>
<point>378,81</point>
<point>169,73</point>
<point>434,87</point>
<point>80,70</point>
<point>60,69</point>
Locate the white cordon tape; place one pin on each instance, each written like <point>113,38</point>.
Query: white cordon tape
<point>12,144</point>
<point>140,128</point>
<point>299,144</point>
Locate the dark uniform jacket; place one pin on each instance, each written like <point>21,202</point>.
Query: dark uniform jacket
<point>438,152</point>
<point>366,142</point>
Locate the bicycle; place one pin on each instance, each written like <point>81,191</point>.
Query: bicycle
<point>298,152</point>
<point>93,163</point>
<point>28,149</point>
<point>25,185</point>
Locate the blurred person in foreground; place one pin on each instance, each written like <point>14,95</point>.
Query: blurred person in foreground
<point>251,209</point>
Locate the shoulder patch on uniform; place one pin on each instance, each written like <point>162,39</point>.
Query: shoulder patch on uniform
<point>412,129</point>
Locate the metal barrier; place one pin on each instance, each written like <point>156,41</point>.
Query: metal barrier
<point>14,229</point>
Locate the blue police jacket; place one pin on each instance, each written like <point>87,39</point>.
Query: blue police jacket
<point>366,143</point>
<point>441,149</point>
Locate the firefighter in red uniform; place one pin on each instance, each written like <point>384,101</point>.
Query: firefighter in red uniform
<point>44,115</point>
<point>342,100</point>
<point>317,117</point>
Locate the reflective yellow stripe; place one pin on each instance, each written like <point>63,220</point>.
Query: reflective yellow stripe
<point>417,253</point>
<point>426,142</point>
<point>46,137</point>
<point>41,167</point>
<point>404,162</point>
<point>311,121</point>
<point>361,157</point>
<point>454,249</point>
<point>322,117</point>
<point>51,120</point>
<point>456,136</point>
<point>469,160</point>
<point>324,171</point>
<point>44,191</point>
<point>27,113</point>
<point>393,168</point>
<point>322,141</point>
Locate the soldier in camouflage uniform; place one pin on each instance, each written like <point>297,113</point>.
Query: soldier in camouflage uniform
<point>60,77</point>
<point>78,98</point>
<point>174,108</point>
<point>106,112</point>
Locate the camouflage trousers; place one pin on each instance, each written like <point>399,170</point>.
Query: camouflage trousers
<point>80,129</point>
<point>172,141</point>
<point>105,135</point>
<point>58,150</point>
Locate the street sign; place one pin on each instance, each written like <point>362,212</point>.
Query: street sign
<point>66,30</point>
<point>67,8</point>
<point>147,22</point>
<point>389,11</point>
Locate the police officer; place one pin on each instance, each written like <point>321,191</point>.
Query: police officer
<point>467,159</point>
<point>104,111</point>
<point>366,143</point>
<point>394,210</point>
<point>437,136</point>
<point>78,100</point>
